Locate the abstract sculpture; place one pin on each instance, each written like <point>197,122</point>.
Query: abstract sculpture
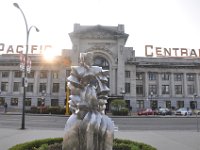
<point>88,128</point>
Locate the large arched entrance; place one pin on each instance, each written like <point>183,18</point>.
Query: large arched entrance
<point>102,62</point>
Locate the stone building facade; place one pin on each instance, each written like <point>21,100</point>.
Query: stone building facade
<point>143,82</point>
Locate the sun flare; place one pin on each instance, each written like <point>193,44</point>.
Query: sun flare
<point>49,55</point>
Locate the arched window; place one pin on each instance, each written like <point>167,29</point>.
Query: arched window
<point>101,62</point>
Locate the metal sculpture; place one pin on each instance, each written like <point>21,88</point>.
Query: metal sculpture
<point>88,128</point>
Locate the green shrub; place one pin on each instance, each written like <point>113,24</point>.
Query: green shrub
<point>47,110</point>
<point>121,112</point>
<point>134,145</point>
<point>56,110</point>
<point>118,104</point>
<point>43,147</point>
<point>33,145</point>
<point>121,146</point>
<point>118,107</point>
<point>33,109</point>
<point>56,144</point>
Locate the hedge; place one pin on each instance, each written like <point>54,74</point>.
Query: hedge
<point>34,145</point>
<point>47,110</point>
<point>122,112</point>
<point>55,144</point>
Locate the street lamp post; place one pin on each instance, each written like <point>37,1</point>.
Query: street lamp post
<point>195,107</point>
<point>151,94</point>
<point>123,93</point>
<point>42,100</point>
<point>24,80</point>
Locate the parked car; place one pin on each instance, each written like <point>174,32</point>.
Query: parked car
<point>196,111</point>
<point>164,111</point>
<point>183,111</point>
<point>147,111</point>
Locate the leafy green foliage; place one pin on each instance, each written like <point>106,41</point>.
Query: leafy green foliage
<point>34,145</point>
<point>118,104</point>
<point>47,110</point>
<point>56,144</point>
<point>118,107</point>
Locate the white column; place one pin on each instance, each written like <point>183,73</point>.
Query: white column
<point>120,69</point>
<point>184,85</point>
<point>172,92</point>
<point>36,83</point>
<point>146,85</point>
<point>10,83</point>
<point>112,81</point>
<point>48,83</point>
<point>197,84</point>
<point>159,84</point>
<point>133,81</point>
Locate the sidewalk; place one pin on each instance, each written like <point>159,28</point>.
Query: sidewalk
<point>162,140</point>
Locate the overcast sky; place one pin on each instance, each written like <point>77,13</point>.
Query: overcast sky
<point>165,23</point>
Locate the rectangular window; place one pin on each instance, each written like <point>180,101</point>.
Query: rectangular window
<point>17,74</point>
<point>165,76</point>
<point>190,89</point>
<point>152,89</point>
<point>190,76</point>
<point>2,101</point>
<point>178,76</point>
<point>5,74</point>
<point>39,102</point>
<point>42,87</point>
<point>55,74</point>
<point>28,102</point>
<point>55,87</point>
<point>4,86</point>
<point>29,87</point>
<point>139,76</point>
<point>180,104</point>
<point>165,89</point>
<point>43,74</point>
<point>127,74</point>
<point>168,104</point>
<point>152,76</point>
<point>14,102</point>
<point>31,74</point>
<point>178,89</point>
<point>127,87</point>
<point>140,104</point>
<point>54,102</point>
<point>16,86</point>
<point>154,104</point>
<point>139,89</point>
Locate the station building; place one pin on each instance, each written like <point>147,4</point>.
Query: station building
<point>143,82</point>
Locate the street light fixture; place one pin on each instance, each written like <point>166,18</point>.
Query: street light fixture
<point>42,101</point>
<point>151,94</point>
<point>24,81</point>
<point>194,96</point>
<point>123,93</point>
<point>195,107</point>
<point>43,97</point>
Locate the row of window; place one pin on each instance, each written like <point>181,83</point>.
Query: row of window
<point>18,74</point>
<point>28,102</point>
<point>17,86</point>
<point>165,76</point>
<point>165,89</point>
<point>154,104</point>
